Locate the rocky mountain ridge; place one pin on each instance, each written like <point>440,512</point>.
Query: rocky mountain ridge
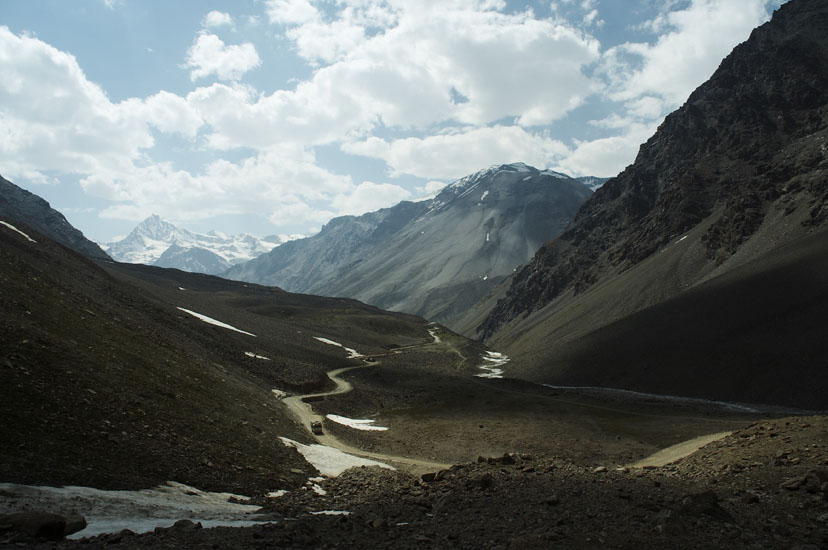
<point>19,205</point>
<point>158,242</point>
<point>731,178</point>
<point>433,258</point>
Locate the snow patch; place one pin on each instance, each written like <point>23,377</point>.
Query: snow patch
<point>331,513</point>
<point>329,461</point>
<point>13,228</point>
<point>493,360</point>
<point>485,194</point>
<point>318,490</point>
<point>212,321</point>
<point>181,288</point>
<point>279,393</point>
<point>487,236</point>
<point>276,494</point>
<point>254,356</point>
<point>365,424</point>
<point>139,511</point>
<point>352,354</point>
<point>681,239</point>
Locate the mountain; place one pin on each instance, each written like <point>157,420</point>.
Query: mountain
<point>433,258</point>
<point>110,382</point>
<point>729,182</point>
<point>158,242</point>
<point>18,205</point>
<point>592,182</point>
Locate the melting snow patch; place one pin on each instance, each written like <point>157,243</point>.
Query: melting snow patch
<point>276,494</point>
<point>485,194</point>
<point>357,424</point>
<point>352,354</point>
<point>181,288</point>
<point>318,490</point>
<point>138,511</point>
<point>212,321</point>
<point>329,461</point>
<point>491,367</point>
<point>279,393</point>
<point>331,513</point>
<point>487,236</point>
<point>254,356</point>
<point>13,228</point>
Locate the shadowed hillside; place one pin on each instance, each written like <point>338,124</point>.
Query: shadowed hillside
<point>734,174</point>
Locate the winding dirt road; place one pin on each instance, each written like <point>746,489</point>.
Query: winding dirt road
<point>305,414</point>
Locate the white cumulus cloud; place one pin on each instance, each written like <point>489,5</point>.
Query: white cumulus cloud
<point>369,196</point>
<point>700,35</point>
<point>456,154</point>
<point>209,55</point>
<point>217,19</point>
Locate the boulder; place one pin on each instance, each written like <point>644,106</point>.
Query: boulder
<point>41,525</point>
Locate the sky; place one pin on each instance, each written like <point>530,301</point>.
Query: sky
<point>274,116</point>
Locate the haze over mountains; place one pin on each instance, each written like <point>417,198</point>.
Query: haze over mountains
<point>158,242</point>
<point>433,258</point>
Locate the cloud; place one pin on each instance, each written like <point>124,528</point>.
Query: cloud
<point>369,196</point>
<point>291,11</point>
<point>506,65</point>
<point>436,89</point>
<point>69,125</point>
<point>172,114</point>
<point>217,19</point>
<point>456,154</point>
<point>210,56</point>
<point>286,186</point>
<point>607,156</point>
<point>700,36</point>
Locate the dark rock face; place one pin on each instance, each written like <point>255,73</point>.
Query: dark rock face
<point>18,205</point>
<point>746,148</point>
<point>433,258</point>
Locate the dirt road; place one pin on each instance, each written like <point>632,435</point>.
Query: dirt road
<point>680,450</point>
<point>305,414</point>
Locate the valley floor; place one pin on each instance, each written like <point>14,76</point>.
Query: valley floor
<point>765,486</point>
<point>558,470</point>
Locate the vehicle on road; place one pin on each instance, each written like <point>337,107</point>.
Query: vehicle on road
<point>316,428</point>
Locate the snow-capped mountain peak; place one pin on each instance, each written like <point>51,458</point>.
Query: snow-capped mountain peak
<point>154,228</point>
<point>156,241</point>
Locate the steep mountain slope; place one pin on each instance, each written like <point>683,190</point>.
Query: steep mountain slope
<point>108,383</point>
<point>158,242</point>
<point>18,205</point>
<point>736,172</point>
<point>433,258</point>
